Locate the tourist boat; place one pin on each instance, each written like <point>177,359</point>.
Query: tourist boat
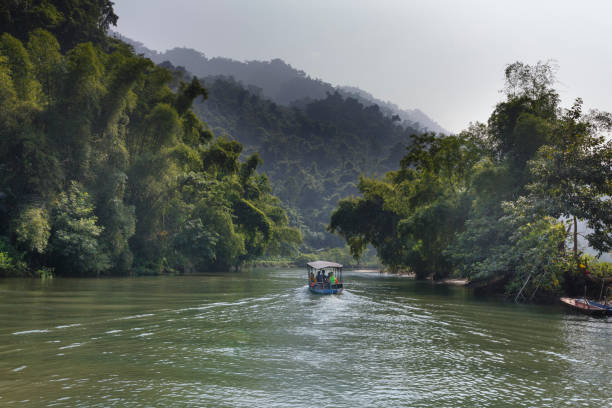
<point>587,306</point>
<point>322,286</point>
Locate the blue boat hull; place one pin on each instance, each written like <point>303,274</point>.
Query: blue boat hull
<point>325,291</point>
<point>607,308</point>
<point>588,306</point>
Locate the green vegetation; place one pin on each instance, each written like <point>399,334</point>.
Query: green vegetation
<point>71,21</point>
<point>490,204</point>
<point>104,169</point>
<point>107,168</point>
<point>312,153</point>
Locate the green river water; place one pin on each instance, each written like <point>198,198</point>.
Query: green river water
<point>260,339</point>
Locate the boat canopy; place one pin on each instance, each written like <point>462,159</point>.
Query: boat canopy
<point>323,264</point>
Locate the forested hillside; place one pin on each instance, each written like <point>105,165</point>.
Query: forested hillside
<point>497,203</point>
<point>314,154</point>
<point>106,170</point>
<point>278,81</point>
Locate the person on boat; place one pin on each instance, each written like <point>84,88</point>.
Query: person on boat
<point>319,278</point>
<point>332,279</point>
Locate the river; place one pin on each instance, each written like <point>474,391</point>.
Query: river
<point>259,339</point>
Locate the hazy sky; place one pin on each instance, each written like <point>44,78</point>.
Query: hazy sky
<point>443,57</point>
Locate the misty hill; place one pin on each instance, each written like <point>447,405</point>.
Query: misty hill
<point>416,117</point>
<point>279,81</point>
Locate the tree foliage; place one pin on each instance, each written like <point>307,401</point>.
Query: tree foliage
<point>32,229</point>
<point>489,204</point>
<point>75,242</point>
<point>70,21</point>
<point>573,175</point>
<point>105,169</point>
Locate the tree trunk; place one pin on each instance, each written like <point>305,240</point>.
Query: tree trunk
<point>575,239</point>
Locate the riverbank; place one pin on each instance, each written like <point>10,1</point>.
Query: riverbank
<point>382,272</point>
<point>454,282</point>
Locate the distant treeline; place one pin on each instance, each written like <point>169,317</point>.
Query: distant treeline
<point>498,202</point>
<point>104,169</point>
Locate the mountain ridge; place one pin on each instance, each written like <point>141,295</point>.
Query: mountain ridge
<point>278,81</point>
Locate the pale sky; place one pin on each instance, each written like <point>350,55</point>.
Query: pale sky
<point>444,57</point>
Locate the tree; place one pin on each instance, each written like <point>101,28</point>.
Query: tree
<point>521,124</point>
<point>487,250</point>
<point>413,215</point>
<point>33,229</point>
<point>44,52</point>
<point>71,21</point>
<point>20,68</point>
<point>75,242</point>
<point>368,220</point>
<point>196,244</point>
<point>573,175</point>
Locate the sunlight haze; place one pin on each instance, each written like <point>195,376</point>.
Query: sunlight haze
<point>443,57</point>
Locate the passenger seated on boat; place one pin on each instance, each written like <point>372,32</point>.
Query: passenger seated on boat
<point>319,278</point>
<point>311,278</point>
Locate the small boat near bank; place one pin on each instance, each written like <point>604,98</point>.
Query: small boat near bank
<point>587,306</point>
<point>324,278</point>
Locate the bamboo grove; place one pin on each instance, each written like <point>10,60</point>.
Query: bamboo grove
<point>105,169</point>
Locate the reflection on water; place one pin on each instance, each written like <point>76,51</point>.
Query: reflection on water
<point>259,338</point>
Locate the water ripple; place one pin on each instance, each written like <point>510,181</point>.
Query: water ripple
<point>253,341</point>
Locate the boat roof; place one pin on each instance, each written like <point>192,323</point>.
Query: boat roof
<point>323,264</point>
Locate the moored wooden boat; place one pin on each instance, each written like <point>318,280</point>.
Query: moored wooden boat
<point>605,306</point>
<point>324,278</point>
<point>587,306</point>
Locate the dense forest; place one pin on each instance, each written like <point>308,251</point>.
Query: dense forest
<point>313,155</point>
<point>499,202</point>
<point>105,168</point>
